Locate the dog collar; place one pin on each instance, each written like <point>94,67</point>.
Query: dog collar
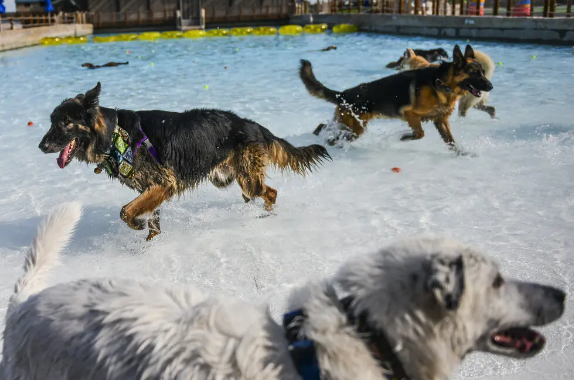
<point>119,159</point>
<point>304,355</point>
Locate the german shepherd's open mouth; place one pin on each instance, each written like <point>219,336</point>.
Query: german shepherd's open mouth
<point>67,154</point>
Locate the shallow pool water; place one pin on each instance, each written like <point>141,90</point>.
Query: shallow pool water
<point>514,198</point>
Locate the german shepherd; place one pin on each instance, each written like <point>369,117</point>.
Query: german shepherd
<point>412,61</point>
<point>186,149</point>
<point>428,94</point>
<point>431,55</point>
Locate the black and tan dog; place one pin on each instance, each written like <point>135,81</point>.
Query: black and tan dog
<point>428,94</point>
<point>161,154</point>
<point>431,55</point>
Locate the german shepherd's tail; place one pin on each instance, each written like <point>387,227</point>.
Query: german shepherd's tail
<point>53,235</point>
<point>315,87</point>
<point>301,160</point>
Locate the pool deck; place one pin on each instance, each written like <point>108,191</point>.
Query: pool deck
<point>556,31</point>
<point>19,38</point>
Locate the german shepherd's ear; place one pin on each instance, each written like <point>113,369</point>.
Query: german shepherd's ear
<point>468,52</point>
<point>80,97</point>
<point>92,97</point>
<point>457,57</point>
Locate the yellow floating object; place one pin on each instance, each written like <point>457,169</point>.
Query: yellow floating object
<point>218,33</point>
<point>194,34</point>
<point>126,37</point>
<point>241,31</point>
<point>149,36</point>
<point>105,39</point>
<point>345,28</point>
<point>291,30</point>
<point>172,34</point>
<point>315,28</point>
<point>76,40</point>
<point>52,41</point>
<point>265,31</point>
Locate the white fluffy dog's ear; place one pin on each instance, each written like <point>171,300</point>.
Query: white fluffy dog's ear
<point>446,280</point>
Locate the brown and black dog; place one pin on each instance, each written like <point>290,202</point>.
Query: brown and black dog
<point>428,94</point>
<point>161,154</point>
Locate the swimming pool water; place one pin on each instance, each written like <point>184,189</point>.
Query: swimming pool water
<point>514,199</point>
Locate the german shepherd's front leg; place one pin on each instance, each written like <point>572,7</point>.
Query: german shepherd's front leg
<point>414,121</point>
<point>153,225</point>
<point>146,203</point>
<point>443,128</point>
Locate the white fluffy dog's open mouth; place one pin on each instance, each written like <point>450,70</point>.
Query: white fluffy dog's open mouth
<point>67,154</point>
<point>517,342</point>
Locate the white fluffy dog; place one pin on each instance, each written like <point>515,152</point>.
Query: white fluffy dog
<point>419,305</point>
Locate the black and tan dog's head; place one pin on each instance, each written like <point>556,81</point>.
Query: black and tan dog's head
<point>77,130</point>
<point>437,55</point>
<point>468,73</point>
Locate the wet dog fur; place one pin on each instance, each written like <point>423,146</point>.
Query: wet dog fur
<point>411,61</point>
<point>436,300</point>
<point>428,94</point>
<point>192,146</point>
<point>431,55</point>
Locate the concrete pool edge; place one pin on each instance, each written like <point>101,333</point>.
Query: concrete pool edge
<point>21,38</point>
<point>553,31</point>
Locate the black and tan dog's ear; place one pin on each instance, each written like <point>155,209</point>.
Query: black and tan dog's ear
<point>469,52</point>
<point>446,281</point>
<point>80,98</point>
<point>457,56</point>
<point>92,97</point>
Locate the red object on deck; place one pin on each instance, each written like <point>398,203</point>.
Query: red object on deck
<point>396,170</point>
<point>30,124</point>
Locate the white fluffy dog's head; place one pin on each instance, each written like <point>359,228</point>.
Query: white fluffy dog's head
<point>436,300</point>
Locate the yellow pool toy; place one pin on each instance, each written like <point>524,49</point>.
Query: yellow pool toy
<point>218,33</point>
<point>104,39</point>
<point>149,36</point>
<point>241,31</point>
<point>172,34</point>
<point>291,30</point>
<point>315,28</point>
<point>126,37</point>
<point>52,41</point>
<point>345,28</point>
<point>265,31</point>
<point>76,40</point>
<point>194,34</point>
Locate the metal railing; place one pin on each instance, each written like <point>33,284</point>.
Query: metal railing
<point>508,8</point>
<point>128,19</point>
<point>13,21</point>
<point>254,13</point>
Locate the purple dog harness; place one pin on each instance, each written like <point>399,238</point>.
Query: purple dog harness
<point>119,160</point>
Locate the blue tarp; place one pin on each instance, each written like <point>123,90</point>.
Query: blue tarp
<point>2,8</point>
<point>49,7</point>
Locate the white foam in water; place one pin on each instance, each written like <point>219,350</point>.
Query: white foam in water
<point>515,199</point>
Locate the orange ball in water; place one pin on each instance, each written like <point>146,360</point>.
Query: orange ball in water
<point>396,170</point>
<point>30,124</point>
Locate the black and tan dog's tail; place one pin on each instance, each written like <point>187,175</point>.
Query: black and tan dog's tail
<point>315,87</point>
<point>301,160</point>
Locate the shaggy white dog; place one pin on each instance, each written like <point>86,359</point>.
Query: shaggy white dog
<point>433,300</point>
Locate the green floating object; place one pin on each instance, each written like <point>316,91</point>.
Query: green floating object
<point>499,63</point>
<point>533,57</point>
<point>206,87</point>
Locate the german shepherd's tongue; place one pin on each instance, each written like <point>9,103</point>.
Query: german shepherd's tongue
<point>62,160</point>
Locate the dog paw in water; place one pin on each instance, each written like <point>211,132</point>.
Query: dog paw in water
<point>461,152</point>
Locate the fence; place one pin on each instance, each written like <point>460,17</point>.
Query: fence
<point>25,20</point>
<point>127,19</point>
<point>254,13</point>
<point>509,8</point>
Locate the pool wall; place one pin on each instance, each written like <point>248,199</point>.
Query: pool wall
<point>559,31</point>
<point>19,38</point>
